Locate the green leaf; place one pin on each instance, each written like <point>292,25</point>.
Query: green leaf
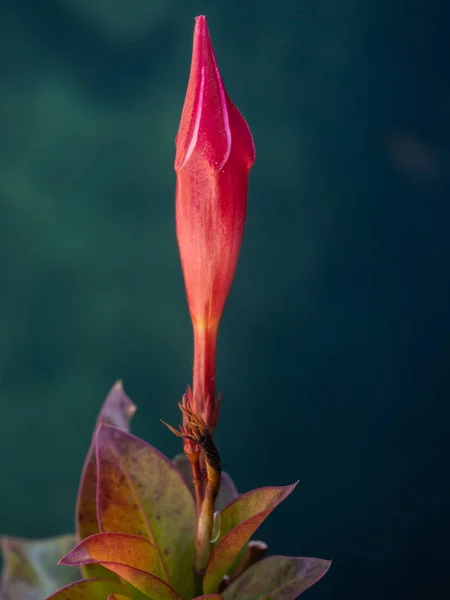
<point>277,578</point>
<point>117,597</point>
<point>117,410</point>
<point>127,549</point>
<point>140,492</point>
<point>227,491</point>
<point>239,521</point>
<point>88,589</point>
<point>30,569</point>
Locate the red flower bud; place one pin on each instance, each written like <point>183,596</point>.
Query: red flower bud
<point>214,153</point>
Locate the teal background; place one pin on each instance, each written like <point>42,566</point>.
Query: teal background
<point>334,350</point>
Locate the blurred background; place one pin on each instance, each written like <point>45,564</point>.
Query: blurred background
<point>334,350</point>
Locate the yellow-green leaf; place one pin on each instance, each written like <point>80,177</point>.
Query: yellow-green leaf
<point>88,589</point>
<point>239,521</point>
<point>127,549</point>
<point>148,584</point>
<point>140,492</point>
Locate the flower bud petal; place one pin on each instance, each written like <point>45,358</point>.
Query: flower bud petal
<point>214,153</point>
<point>205,123</point>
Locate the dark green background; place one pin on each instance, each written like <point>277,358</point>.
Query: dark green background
<point>334,353</point>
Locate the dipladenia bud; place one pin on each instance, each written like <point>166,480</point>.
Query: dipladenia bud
<point>214,153</point>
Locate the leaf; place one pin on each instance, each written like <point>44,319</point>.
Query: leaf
<point>117,597</point>
<point>277,578</point>
<point>30,570</point>
<point>88,589</point>
<point>127,549</point>
<point>146,583</point>
<point>209,597</point>
<point>239,521</point>
<point>253,552</point>
<point>140,492</point>
<point>117,410</point>
<point>227,491</point>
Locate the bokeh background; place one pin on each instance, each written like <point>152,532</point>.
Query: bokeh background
<point>334,350</point>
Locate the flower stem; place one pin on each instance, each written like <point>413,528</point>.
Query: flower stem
<point>206,516</point>
<point>204,372</point>
<point>197,480</point>
<point>196,434</point>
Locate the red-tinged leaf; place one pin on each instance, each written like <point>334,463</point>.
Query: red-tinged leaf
<point>88,589</point>
<point>277,578</point>
<point>141,492</point>
<point>30,570</point>
<point>117,597</point>
<point>127,549</point>
<point>227,491</point>
<point>146,583</point>
<point>117,410</point>
<point>239,521</point>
